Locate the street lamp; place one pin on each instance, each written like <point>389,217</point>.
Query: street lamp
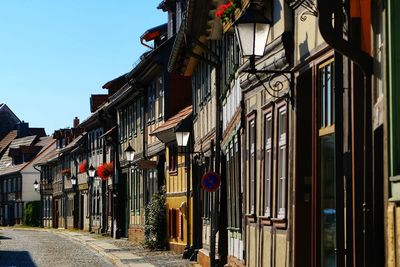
<point>182,138</point>
<point>36,185</point>
<point>252,30</point>
<point>91,171</point>
<point>73,180</point>
<point>129,153</point>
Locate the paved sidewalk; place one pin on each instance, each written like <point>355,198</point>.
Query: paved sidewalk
<point>124,253</point>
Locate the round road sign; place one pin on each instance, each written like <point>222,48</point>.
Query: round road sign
<point>210,181</point>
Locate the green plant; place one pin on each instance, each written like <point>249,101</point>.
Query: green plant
<point>32,214</point>
<point>225,12</point>
<point>156,222</point>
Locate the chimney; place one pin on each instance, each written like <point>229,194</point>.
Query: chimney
<point>23,129</point>
<point>76,122</point>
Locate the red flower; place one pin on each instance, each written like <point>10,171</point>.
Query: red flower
<point>105,171</point>
<point>225,11</point>
<point>83,167</point>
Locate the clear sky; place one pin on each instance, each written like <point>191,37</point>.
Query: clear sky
<point>55,53</point>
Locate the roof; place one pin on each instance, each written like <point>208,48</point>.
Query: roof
<point>153,33</point>
<point>166,132</point>
<point>48,152</point>
<point>6,166</point>
<point>116,84</point>
<point>48,157</point>
<point>96,101</point>
<point>6,161</point>
<point>74,143</point>
<point>166,5</point>
<point>6,141</point>
<point>37,131</point>
<point>196,24</point>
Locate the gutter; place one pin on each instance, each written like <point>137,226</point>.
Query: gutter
<point>334,37</point>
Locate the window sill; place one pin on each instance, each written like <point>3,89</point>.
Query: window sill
<point>265,220</point>
<point>173,173</point>
<point>280,223</point>
<point>251,218</point>
<point>150,122</point>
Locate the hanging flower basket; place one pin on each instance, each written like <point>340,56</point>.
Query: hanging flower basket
<point>227,11</point>
<point>66,172</point>
<point>83,167</point>
<point>105,171</point>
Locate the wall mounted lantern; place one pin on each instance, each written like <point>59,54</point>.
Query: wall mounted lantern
<point>73,180</point>
<point>129,153</point>
<point>252,31</point>
<point>36,185</point>
<point>91,171</point>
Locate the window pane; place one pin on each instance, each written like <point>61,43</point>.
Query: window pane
<point>252,165</point>
<point>322,98</point>
<point>328,201</point>
<point>267,165</point>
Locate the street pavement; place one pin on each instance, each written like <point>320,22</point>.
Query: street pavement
<point>43,248</point>
<point>49,247</point>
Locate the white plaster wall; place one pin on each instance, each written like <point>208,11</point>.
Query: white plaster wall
<point>29,175</point>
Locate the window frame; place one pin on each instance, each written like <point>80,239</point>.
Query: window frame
<point>252,188</point>
<point>280,142</point>
<point>268,111</point>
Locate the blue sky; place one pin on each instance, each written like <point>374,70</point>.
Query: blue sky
<point>55,53</point>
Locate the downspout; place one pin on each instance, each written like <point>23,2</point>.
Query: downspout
<point>334,37</point>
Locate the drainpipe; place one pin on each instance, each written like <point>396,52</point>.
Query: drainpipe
<point>333,35</point>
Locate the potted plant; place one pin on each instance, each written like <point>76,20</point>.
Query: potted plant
<point>105,171</point>
<point>226,12</point>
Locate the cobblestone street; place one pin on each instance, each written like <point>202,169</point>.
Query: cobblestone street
<point>43,248</point>
<point>39,247</point>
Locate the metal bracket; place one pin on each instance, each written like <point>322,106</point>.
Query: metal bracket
<point>309,5</point>
<point>275,85</point>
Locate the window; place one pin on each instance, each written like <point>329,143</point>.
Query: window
<point>268,160</point>
<point>201,84</point>
<point>160,92</point>
<point>252,164</point>
<point>152,184</point>
<point>130,118</point>
<point>151,102</point>
<point>281,162</point>
<point>173,158</point>
<point>326,92</point>
<point>326,162</point>
<point>141,105</point>
<point>135,112</point>
<point>233,183</point>
<point>231,57</point>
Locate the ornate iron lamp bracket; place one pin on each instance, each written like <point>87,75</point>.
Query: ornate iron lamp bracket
<point>275,83</point>
<point>310,7</point>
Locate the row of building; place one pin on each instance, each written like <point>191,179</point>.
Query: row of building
<point>295,111</point>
